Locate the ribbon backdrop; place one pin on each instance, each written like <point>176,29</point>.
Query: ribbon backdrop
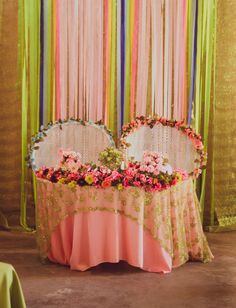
<point>114,59</point>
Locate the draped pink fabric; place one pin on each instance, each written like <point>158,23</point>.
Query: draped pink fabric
<point>88,239</point>
<point>82,227</point>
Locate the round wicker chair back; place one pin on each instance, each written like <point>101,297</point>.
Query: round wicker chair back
<point>88,139</point>
<point>171,142</point>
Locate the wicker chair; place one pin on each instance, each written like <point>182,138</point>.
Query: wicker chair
<point>163,137</point>
<point>88,139</point>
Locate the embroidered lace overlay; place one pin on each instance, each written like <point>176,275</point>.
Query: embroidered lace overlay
<point>171,216</point>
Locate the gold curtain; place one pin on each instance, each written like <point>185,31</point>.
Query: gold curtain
<point>10,113</point>
<point>224,121</point>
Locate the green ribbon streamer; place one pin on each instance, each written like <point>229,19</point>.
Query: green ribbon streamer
<point>48,61</point>
<point>128,38</point>
<point>29,27</point>
<point>205,68</point>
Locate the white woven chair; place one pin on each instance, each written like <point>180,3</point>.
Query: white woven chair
<point>87,138</point>
<point>171,142</point>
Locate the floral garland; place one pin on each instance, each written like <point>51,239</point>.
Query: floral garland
<point>147,174</point>
<point>111,158</point>
<point>187,130</point>
<point>42,133</point>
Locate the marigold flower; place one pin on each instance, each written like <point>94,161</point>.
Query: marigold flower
<point>120,186</point>
<point>178,177</point>
<point>62,181</point>
<point>89,179</point>
<point>155,181</point>
<point>72,184</point>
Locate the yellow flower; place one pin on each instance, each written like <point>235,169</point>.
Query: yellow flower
<point>120,186</point>
<point>89,179</point>
<point>72,184</point>
<point>62,181</point>
<point>178,177</point>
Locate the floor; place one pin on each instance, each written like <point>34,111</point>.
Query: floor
<point>120,285</point>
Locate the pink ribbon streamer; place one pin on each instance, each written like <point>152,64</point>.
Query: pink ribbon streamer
<point>73,57</point>
<point>63,54</point>
<point>134,58</point>
<point>58,89</point>
<point>143,57</point>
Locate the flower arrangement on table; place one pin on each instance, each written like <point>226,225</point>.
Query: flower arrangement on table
<point>187,130</point>
<point>152,174</point>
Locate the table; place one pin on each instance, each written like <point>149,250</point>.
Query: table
<point>11,295</point>
<point>85,226</point>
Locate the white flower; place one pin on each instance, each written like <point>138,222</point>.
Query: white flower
<point>166,169</point>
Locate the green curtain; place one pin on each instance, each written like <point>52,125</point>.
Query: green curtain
<point>204,95</point>
<point>29,32</point>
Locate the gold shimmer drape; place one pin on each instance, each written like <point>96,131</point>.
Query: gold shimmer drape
<point>224,128</point>
<point>10,113</point>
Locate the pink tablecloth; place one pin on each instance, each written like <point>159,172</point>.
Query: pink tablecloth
<point>82,227</point>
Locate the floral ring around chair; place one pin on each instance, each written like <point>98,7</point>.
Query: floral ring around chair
<point>74,134</point>
<point>179,142</point>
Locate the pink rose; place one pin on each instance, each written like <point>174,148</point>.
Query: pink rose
<point>198,144</point>
<point>125,183</point>
<point>149,181</point>
<point>142,168</point>
<point>174,182</point>
<point>197,172</point>
<point>106,184</point>
<point>115,175</point>
<point>130,172</point>
<point>158,186</point>
<point>156,171</point>
<point>166,186</point>
<point>150,169</point>
<point>73,176</point>
<point>39,173</point>
<point>147,159</point>
<point>142,178</point>
<point>137,184</point>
